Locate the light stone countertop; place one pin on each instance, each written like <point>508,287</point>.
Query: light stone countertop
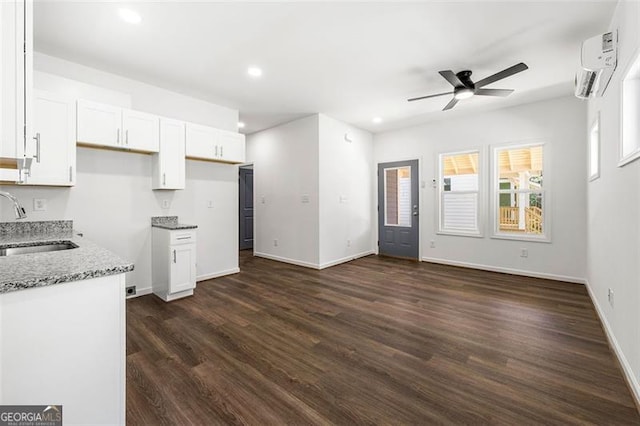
<point>25,271</point>
<point>169,222</point>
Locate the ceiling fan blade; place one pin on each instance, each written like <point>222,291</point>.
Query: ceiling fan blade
<point>451,104</point>
<point>451,78</point>
<point>502,74</point>
<point>494,92</point>
<point>429,96</point>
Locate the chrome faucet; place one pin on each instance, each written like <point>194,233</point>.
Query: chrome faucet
<point>20,211</point>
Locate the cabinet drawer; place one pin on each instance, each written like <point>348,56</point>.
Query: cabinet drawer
<point>182,237</point>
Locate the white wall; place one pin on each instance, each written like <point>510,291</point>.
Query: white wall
<point>614,210</point>
<point>346,192</point>
<point>112,202</point>
<point>561,123</point>
<point>285,168</point>
<point>311,157</point>
<point>143,97</point>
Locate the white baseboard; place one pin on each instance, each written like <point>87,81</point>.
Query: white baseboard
<point>287,260</point>
<point>525,273</point>
<point>345,259</point>
<point>217,274</point>
<point>629,376</point>
<point>141,292</point>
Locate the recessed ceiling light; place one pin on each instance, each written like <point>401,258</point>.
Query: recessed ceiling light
<point>130,16</point>
<point>241,125</point>
<point>254,72</point>
<point>376,120</point>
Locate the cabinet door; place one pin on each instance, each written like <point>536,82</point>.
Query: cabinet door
<point>169,164</point>
<point>183,267</point>
<point>12,79</point>
<point>99,124</point>
<point>201,142</point>
<point>232,147</point>
<point>54,125</point>
<point>141,131</point>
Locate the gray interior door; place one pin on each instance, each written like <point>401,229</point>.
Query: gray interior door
<point>398,209</point>
<point>246,208</point>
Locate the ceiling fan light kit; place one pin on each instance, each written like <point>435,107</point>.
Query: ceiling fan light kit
<point>465,88</point>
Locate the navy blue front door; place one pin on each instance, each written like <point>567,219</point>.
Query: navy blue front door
<point>398,212</point>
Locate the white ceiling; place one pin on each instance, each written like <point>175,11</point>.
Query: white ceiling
<point>350,60</point>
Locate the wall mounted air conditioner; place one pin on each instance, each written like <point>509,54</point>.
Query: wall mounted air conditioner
<point>598,60</point>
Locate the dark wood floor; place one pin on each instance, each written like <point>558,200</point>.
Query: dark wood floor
<point>372,341</point>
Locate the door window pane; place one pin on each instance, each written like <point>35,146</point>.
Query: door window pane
<point>397,196</point>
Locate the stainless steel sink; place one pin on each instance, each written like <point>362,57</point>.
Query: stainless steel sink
<point>41,248</point>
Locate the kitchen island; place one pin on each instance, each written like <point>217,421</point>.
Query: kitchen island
<point>62,322</point>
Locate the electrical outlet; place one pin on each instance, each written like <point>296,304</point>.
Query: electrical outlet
<point>275,243</point>
<point>263,200</point>
<point>304,198</point>
<point>39,205</point>
<point>610,296</point>
<point>348,243</point>
<point>432,244</point>
<point>166,204</point>
<point>210,204</point>
<point>524,252</point>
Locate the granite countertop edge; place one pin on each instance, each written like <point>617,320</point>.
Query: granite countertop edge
<point>88,260</point>
<point>176,226</point>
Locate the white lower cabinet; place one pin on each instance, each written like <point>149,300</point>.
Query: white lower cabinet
<point>54,160</point>
<point>65,344</point>
<point>174,263</point>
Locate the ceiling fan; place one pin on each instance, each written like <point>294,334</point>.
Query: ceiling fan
<point>464,88</point>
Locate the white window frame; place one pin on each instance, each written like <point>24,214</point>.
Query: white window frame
<point>631,100</point>
<point>594,128</point>
<point>545,191</point>
<point>478,233</point>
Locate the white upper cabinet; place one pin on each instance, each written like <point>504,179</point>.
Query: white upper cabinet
<point>16,56</point>
<point>169,163</point>
<point>207,143</point>
<point>113,127</point>
<point>232,146</point>
<point>141,131</point>
<point>99,124</point>
<point>55,153</point>
<point>200,141</point>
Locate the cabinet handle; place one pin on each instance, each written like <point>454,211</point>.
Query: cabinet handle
<point>70,173</point>
<point>164,179</point>
<point>174,256</point>
<point>118,140</point>
<point>37,139</point>
<point>126,136</point>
